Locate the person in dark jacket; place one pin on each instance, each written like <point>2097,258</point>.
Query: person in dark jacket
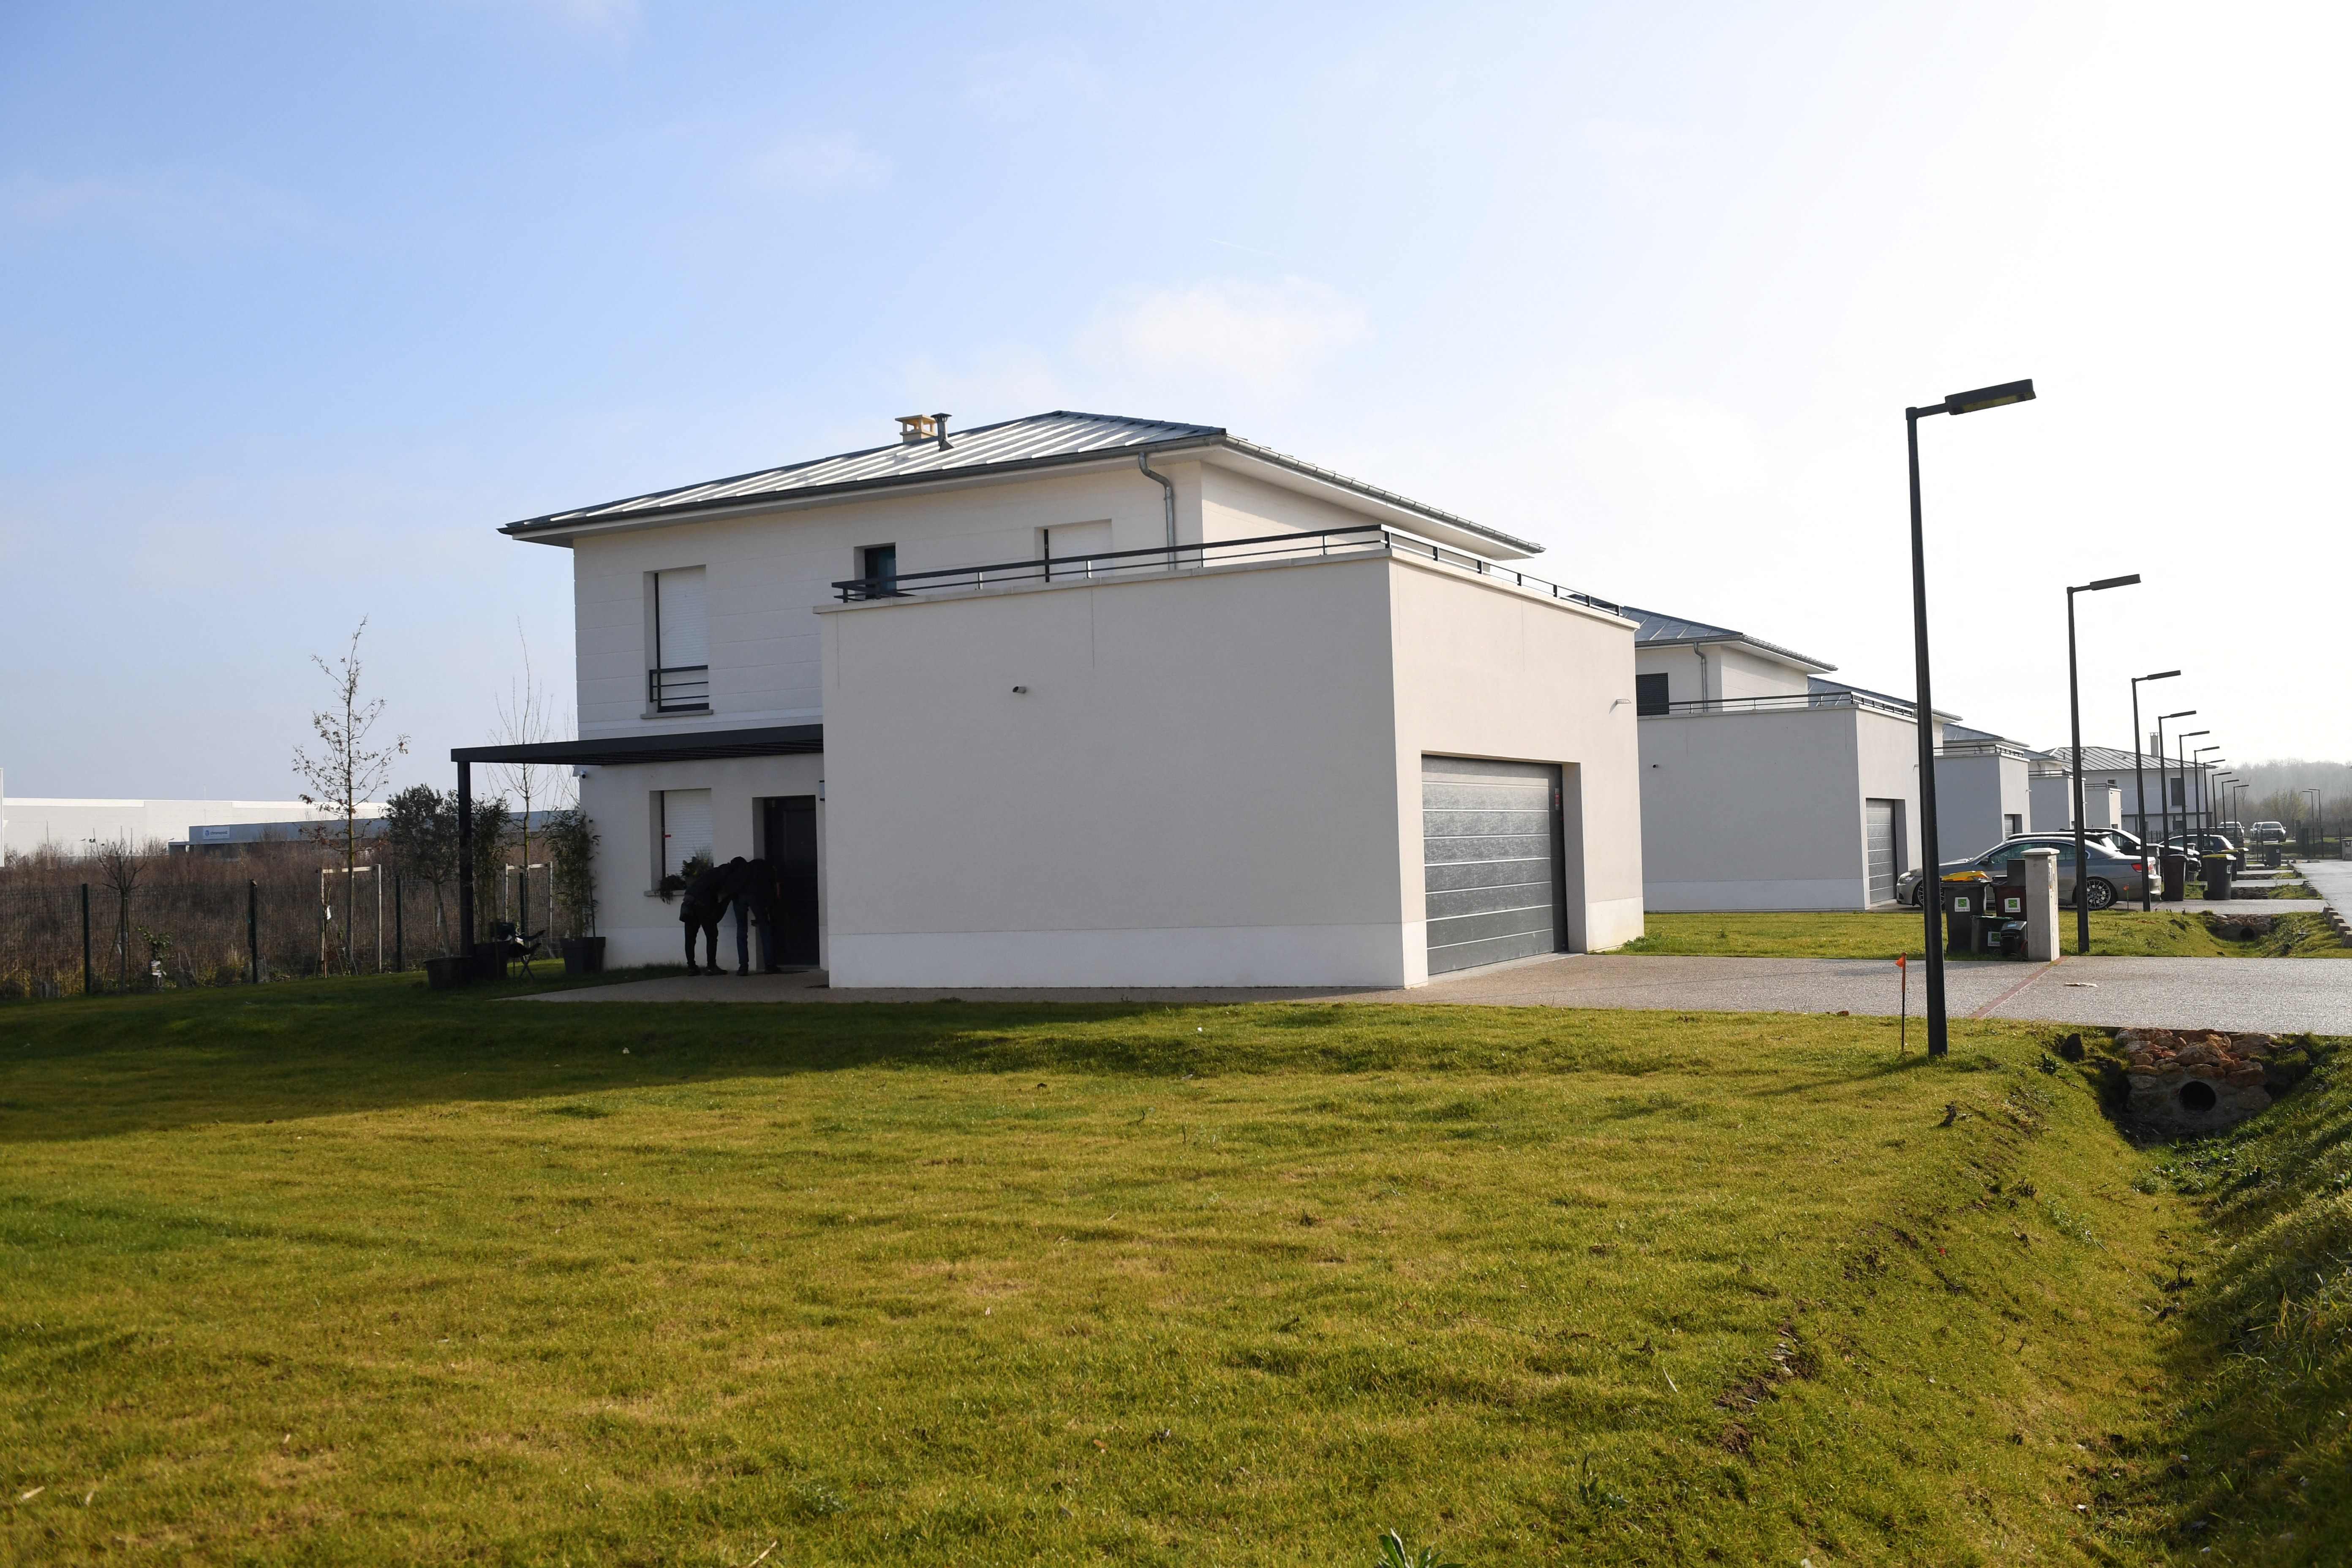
<point>755,903</point>
<point>704,904</point>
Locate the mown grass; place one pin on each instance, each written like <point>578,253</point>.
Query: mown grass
<point>2153,933</point>
<point>346,1272</point>
<point>2257,1464</point>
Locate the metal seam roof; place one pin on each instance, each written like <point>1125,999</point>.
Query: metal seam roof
<point>1658,630</point>
<point>1009,446</point>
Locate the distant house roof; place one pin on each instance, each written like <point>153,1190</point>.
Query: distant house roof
<point>1818,684</point>
<point>1032,442</point>
<point>2112,760</point>
<point>1658,630</point>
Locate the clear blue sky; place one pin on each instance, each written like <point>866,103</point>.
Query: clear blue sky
<point>302,302</point>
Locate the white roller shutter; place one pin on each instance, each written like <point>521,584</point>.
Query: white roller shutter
<point>1490,860</point>
<point>686,828</point>
<point>1879,842</point>
<point>683,616</point>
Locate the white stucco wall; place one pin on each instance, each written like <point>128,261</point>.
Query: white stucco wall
<point>1484,671</point>
<point>1974,792</point>
<point>1765,811</point>
<point>768,571</point>
<point>1206,781</point>
<point>640,927</point>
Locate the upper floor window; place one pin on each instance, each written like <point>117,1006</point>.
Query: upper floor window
<point>678,679</point>
<point>1650,694</point>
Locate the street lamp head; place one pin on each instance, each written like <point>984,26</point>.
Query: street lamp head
<point>2106,583</point>
<point>2160,675</point>
<point>1990,397</point>
<point>2191,735</point>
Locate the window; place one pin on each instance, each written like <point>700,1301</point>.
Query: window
<point>2012,824</point>
<point>878,565</point>
<point>678,680</point>
<point>1075,538</point>
<point>1650,695</point>
<point>684,821</point>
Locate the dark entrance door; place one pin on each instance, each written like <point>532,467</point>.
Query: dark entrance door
<point>788,835</point>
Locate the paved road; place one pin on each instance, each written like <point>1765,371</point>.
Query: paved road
<point>2268,994</point>
<point>2332,880</point>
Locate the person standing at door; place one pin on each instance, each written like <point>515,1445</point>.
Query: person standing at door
<point>755,903</point>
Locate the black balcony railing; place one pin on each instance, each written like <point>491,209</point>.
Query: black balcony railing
<point>1787,702</point>
<point>680,688</point>
<point>1367,540</point>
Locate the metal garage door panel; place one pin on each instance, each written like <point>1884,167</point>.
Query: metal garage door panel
<point>1490,858</point>
<point>1879,840</point>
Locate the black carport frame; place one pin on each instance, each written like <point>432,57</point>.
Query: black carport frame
<point>682,747</point>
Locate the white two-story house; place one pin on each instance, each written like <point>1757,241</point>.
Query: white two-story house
<point>1080,700</point>
<point>1766,785</point>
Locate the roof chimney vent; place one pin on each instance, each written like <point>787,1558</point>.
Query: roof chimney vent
<point>914,429</point>
<point>940,421</point>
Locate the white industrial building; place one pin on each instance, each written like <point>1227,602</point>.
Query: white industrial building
<point>1765,786</point>
<point>31,824</point>
<point>1082,700</point>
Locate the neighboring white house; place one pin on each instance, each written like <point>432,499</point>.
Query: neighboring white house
<point>1765,786</point>
<point>1983,790</point>
<point>2052,788</point>
<point>32,823</point>
<point>2159,785</point>
<point>1081,701</point>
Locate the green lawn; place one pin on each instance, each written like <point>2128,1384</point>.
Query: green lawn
<point>2155,933</point>
<point>346,1272</point>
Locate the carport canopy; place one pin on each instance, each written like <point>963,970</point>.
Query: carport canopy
<point>681,746</point>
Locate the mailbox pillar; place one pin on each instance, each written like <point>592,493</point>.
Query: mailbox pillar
<point>2041,905</point>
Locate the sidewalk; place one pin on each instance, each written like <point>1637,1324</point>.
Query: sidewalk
<point>2273,994</point>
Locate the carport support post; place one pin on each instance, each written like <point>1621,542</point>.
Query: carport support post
<point>466,859</point>
<point>1931,871</point>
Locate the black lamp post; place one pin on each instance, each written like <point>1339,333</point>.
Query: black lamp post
<point>2140,777</point>
<point>2180,755</point>
<point>2163,794</point>
<point>2075,711</point>
<point>2205,788</point>
<point>1931,874</point>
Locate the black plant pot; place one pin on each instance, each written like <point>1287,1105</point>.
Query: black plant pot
<point>448,973</point>
<point>584,954</point>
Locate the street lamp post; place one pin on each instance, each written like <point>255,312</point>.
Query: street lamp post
<point>1931,874</point>
<point>2075,711</point>
<point>2205,787</point>
<point>2163,790</point>
<point>2180,755</point>
<point>2139,776</point>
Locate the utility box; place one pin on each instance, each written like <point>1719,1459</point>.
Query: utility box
<point>2041,905</point>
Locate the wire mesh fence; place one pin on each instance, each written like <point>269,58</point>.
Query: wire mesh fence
<point>72,926</point>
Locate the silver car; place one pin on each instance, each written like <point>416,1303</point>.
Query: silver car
<point>2114,874</point>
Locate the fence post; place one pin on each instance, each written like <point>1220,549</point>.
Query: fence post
<point>253,933</point>
<point>399,928</point>
<point>86,976</point>
<point>377,876</point>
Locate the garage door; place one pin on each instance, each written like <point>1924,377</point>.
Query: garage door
<point>1881,836</point>
<point>1491,859</point>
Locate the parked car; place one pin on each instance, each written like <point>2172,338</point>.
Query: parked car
<point>2201,844</point>
<point>2269,833</point>
<point>2114,874</point>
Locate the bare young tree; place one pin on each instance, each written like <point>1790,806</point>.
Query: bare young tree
<point>346,769</point>
<point>120,865</point>
<point>527,716</point>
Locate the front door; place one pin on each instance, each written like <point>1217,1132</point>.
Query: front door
<point>788,838</point>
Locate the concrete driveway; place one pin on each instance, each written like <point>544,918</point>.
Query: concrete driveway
<point>2273,994</point>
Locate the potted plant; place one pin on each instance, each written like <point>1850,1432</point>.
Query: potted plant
<point>572,845</point>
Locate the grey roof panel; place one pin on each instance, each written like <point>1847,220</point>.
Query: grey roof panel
<point>1036,440</point>
<point>1664,630</point>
